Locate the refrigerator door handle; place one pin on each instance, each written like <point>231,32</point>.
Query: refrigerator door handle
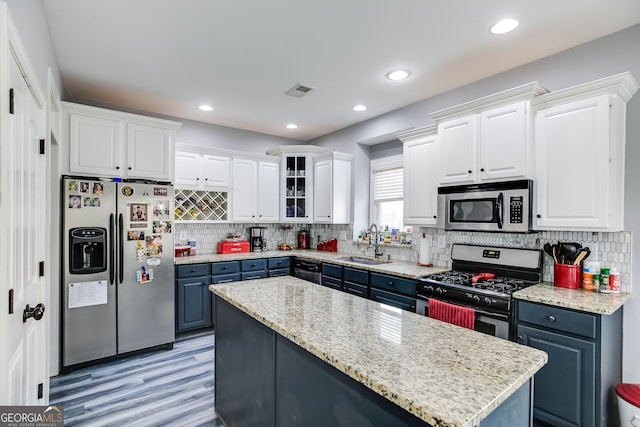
<point>112,250</point>
<point>121,249</point>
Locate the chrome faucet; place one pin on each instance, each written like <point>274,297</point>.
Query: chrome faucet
<point>377,251</point>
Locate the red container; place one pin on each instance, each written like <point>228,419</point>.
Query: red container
<point>233,247</point>
<point>567,275</point>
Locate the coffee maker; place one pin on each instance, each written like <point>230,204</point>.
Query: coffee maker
<point>256,240</point>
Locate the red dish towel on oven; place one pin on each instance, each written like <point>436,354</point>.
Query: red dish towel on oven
<point>454,314</point>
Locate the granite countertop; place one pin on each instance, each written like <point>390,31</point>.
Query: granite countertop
<point>397,268</point>
<point>576,299</point>
<point>439,372</point>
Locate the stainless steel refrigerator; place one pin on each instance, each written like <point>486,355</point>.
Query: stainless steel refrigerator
<point>117,287</point>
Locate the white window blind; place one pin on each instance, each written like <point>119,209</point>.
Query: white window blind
<point>387,184</point>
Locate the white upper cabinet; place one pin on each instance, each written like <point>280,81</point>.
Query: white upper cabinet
<point>255,190</point>
<point>115,144</point>
<point>489,138</point>
<point>201,171</point>
<point>580,143</point>
<point>332,188</point>
<point>422,166</point>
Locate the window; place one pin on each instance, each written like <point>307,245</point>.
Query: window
<point>387,193</point>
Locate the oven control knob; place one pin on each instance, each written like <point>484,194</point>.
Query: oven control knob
<point>476,298</point>
<point>487,300</point>
<point>439,290</point>
<point>430,288</point>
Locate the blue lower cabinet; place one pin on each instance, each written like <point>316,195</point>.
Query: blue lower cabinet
<point>392,299</point>
<point>253,269</point>
<point>576,386</point>
<point>356,289</point>
<point>193,303</point>
<point>279,272</point>
<point>331,282</point>
<point>393,284</point>
<point>279,267</point>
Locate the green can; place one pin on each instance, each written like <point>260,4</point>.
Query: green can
<point>604,280</point>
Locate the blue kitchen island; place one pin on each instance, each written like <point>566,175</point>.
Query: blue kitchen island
<point>293,353</point>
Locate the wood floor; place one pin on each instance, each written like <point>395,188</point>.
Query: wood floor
<point>161,388</point>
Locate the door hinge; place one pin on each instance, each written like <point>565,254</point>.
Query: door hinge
<point>10,301</point>
<point>11,101</point>
<point>40,391</point>
<point>41,268</point>
<point>42,146</point>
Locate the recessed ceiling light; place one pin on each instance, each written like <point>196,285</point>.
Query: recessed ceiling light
<point>359,107</point>
<point>292,126</point>
<point>505,26</point>
<point>205,107</point>
<point>398,75</point>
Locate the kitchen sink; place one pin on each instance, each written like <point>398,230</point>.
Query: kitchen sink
<point>364,260</point>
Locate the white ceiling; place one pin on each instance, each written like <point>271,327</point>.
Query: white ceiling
<point>240,56</point>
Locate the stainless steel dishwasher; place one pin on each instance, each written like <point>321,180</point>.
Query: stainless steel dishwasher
<point>308,270</point>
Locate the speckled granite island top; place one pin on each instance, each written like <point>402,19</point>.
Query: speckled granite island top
<point>576,299</point>
<point>397,268</point>
<point>436,371</point>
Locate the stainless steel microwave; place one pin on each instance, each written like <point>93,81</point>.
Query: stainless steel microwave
<point>499,206</point>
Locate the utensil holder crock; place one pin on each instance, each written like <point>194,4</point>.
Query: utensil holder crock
<point>567,275</point>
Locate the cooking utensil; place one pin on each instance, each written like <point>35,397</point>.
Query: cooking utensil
<point>568,252</point>
<point>582,255</point>
<point>554,249</point>
<point>548,249</point>
<point>482,277</point>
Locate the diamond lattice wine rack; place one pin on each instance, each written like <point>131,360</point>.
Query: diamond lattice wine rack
<point>199,205</point>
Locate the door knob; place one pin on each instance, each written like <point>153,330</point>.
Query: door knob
<point>36,312</point>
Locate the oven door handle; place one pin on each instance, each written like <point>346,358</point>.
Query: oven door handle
<point>500,209</point>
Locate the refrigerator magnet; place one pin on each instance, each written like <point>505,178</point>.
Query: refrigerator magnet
<point>73,185</point>
<point>140,252</point>
<point>144,275</point>
<point>162,227</point>
<point>74,202</point>
<point>97,189</point>
<point>155,261</point>
<point>161,210</point>
<point>84,187</point>
<point>154,245</point>
<point>127,191</point>
<point>135,235</point>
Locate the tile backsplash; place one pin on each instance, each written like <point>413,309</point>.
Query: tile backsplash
<point>611,249</point>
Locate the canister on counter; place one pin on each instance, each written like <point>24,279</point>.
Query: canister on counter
<point>614,281</point>
<point>604,280</point>
<point>591,275</point>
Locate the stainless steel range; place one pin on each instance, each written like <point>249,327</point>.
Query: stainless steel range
<point>483,278</point>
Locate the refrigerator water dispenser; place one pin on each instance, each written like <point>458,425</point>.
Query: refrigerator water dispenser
<point>88,250</point>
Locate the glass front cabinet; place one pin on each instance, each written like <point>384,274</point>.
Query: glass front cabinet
<point>296,191</point>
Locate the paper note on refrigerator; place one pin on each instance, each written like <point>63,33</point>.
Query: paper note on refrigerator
<point>84,294</point>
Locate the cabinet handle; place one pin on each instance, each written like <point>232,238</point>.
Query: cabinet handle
<point>469,171</point>
<point>538,216</point>
<point>435,216</point>
<point>197,179</point>
<point>519,339</point>
<point>117,167</point>
<point>225,267</point>
<point>193,270</point>
<point>551,318</point>
<point>129,168</point>
<point>391,283</point>
<point>206,179</point>
<point>481,169</point>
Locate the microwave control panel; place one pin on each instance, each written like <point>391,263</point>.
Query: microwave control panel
<point>515,209</point>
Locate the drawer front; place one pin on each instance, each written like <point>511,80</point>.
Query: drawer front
<point>279,272</point>
<point>192,270</point>
<point>356,276</point>
<point>253,275</point>
<point>393,284</point>
<point>332,282</point>
<point>394,300</point>
<point>356,289</point>
<point>254,265</point>
<point>283,262</point>
<point>558,319</point>
<point>225,278</point>
<point>225,267</point>
<point>332,270</point>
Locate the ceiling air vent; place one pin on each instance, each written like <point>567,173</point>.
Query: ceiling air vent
<point>299,90</point>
